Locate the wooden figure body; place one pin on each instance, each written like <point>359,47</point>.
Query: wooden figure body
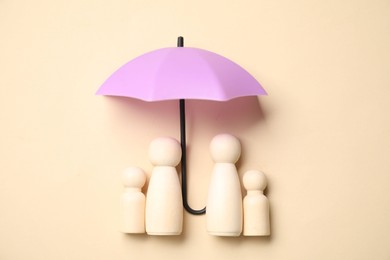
<point>164,205</point>
<point>256,205</point>
<point>133,201</point>
<point>224,203</point>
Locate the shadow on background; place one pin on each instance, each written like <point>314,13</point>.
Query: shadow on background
<point>234,116</point>
<point>238,114</point>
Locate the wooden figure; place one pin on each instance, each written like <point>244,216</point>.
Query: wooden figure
<point>164,204</point>
<point>256,205</point>
<point>224,203</point>
<point>133,201</point>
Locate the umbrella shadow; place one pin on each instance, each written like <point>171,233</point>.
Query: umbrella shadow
<point>131,106</point>
<point>204,119</point>
<point>233,116</point>
<point>209,118</point>
<point>128,115</point>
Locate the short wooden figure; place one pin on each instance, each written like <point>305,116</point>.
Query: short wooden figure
<point>164,204</point>
<point>256,205</point>
<point>133,201</point>
<point>224,203</point>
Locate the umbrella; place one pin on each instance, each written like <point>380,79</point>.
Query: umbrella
<point>177,74</point>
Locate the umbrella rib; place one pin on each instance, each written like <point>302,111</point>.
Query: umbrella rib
<point>184,162</point>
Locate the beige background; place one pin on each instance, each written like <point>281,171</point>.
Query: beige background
<point>321,136</point>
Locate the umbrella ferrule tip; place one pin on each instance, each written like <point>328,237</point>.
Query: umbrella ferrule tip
<point>180,41</point>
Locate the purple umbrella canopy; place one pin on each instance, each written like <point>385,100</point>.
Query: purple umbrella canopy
<point>178,74</point>
<point>181,73</point>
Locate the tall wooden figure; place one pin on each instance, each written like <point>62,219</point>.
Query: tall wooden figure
<point>164,204</point>
<point>133,201</point>
<point>256,205</point>
<point>224,203</point>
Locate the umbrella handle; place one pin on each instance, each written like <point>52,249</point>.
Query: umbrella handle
<point>184,162</point>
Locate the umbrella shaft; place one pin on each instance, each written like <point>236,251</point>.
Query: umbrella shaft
<point>184,161</point>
